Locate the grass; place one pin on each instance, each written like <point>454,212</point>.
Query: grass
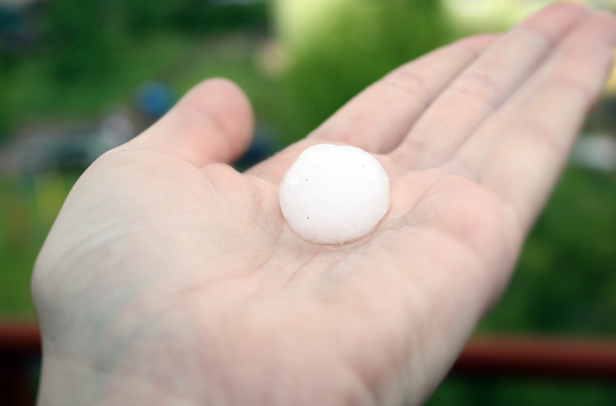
<point>28,207</point>
<point>565,280</point>
<point>31,90</point>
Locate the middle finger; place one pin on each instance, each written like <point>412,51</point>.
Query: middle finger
<point>481,88</point>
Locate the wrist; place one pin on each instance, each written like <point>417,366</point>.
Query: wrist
<point>68,382</point>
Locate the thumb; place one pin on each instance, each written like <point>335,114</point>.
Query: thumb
<point>212,123</point>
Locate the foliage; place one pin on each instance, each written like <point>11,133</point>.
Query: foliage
<point>354,45</point>
<point>89,53</point>
<point>5,120</point>
<point>88,39</point>
<point>564,282</point>
<point>32,88</point>
<point>81,40</point>
<point>28,207</point>
<point>190,15</point>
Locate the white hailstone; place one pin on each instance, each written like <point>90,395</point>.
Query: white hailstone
<point>333,194</point>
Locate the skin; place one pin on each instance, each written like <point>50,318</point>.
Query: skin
<point>171,279</point>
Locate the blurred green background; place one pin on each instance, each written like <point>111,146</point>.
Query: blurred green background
<point>80,76</point>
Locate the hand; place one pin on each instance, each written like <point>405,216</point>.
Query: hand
<point>170,278</point>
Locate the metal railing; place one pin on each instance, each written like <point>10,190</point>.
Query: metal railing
<point>539,358</point>
<point>19,343</point>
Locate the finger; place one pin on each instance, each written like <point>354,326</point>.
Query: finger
<point>379,117</point>
<point>484,86</point>
<point>557,70</point>
<point>525,165</point>
<point>211,123</point>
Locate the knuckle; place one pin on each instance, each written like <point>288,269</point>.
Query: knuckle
<point>479,87</point>
<point>573,88</point>
<point>409,83</point>
<point>543,134</point>
<point>537,31</point>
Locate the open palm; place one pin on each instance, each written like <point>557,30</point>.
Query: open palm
<point>170,278</point>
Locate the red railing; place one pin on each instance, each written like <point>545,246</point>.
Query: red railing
<point>18,343</point>
<point>539,357</point>
<point>506,356</point>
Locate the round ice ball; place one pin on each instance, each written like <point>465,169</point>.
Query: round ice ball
<point>334,194</point>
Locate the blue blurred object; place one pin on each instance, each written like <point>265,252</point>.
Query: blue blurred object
<point>15,30</point>
<point>154,99</point>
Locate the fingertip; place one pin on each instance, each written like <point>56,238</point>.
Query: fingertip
<point>212,123</point>
<point>226,105</point>
<point>477,44</point>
